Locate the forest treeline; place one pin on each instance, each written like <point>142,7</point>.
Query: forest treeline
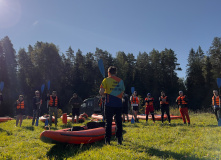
<point>72,71</point>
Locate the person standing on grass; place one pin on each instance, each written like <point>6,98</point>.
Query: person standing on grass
<point>164,106</point>
<point>75,102</point>
<point>182,102</point>
<point>37,102</point>
<point>125,102</point>
<point>53,104</point>
<point>112,88</point>
<point>20,109</point>
<point>216,103</point>
<point>149,107</point>
<point>135,105</point>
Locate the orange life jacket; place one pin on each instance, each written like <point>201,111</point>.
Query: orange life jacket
<point>150,103</point>
<point>180,100</point>
<point>20,105</point>
<point>135,100</point>
<point>166,102</point>
<point>215,100</point>
<point>51,101</point>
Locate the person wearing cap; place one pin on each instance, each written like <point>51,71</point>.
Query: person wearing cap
<point>135,105</point>
<point>182,102</point>
<point>37,102</point>
<point>149,107</point>
<point>125,102</point>
<point>75,102</point>
<point>216,103</point>
<point>164,106</point>
<point>112,88</point>
<point>20,109</point>
<point>53,104</point>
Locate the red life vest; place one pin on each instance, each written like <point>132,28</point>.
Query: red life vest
<point>180,100</point>
<point>165,102</point>
<point>51,101</point>
<point>215,100</point>
<point>20,105</point>
<point>150,103</point>
<point>135,100</point>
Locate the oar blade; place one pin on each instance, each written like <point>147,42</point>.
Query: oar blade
<point>101,67</point>
<point>132,90</point>
<point>49,83</point>
<point>219,82</point>
<point>42,88</point>
<point>1,86</point>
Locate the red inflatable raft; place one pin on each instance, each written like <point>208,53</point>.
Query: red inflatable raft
<point>5,119</point>
<point>92,132</point>
<point>158,117</point>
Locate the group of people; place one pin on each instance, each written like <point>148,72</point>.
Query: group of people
<point>164,106</point>
<point>53,104</point>
<point>116,102</point>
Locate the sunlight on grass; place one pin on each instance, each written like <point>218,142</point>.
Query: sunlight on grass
<point>200,140</point>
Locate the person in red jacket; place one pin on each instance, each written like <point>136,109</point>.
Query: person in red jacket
<point>216,103</point>
<point>149,107</point>
<point>182,104</point>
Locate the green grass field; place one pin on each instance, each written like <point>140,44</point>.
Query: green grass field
<point>200,140</point>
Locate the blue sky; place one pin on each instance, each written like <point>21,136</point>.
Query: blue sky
<point>115,25</point>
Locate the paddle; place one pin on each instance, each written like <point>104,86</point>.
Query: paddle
<point>219,85</point>
<point>1,86</point>
<point>101,67</point>
<point>132,90</point>
<point>42,90</point>
<point>132,120</point>
<point>48,86</point>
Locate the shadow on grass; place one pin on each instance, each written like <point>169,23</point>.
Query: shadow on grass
<point>191,125</point>
<point>8,132</point>
<point>168,154</point>
<point>151,151</point>
<point>64,151</point>
<point>31,128</point>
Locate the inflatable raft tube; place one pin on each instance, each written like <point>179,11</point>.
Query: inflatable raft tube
<point>5,119</point>
<point>92,132</point>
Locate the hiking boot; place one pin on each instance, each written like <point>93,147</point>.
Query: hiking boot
<point>120,141</point>
<point>189,123</point>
